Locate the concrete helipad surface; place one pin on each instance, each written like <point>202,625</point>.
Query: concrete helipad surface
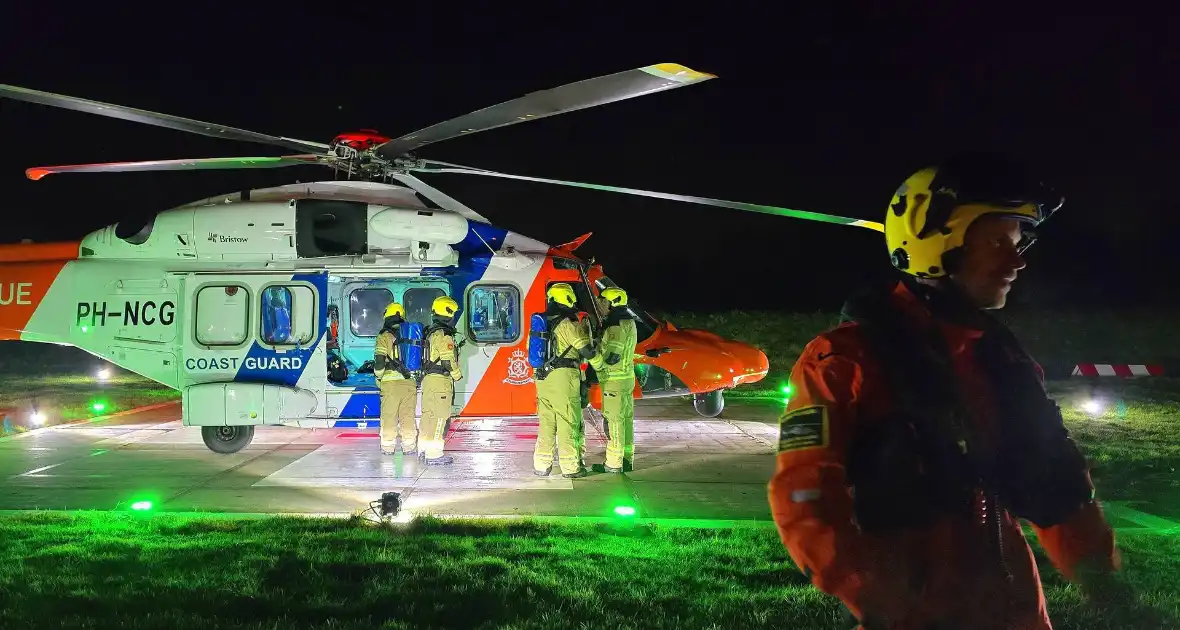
<point>687,467</point>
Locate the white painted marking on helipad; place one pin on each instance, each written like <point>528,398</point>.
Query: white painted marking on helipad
<point>41,469</point>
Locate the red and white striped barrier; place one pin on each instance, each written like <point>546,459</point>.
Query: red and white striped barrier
<point>1118,369</point>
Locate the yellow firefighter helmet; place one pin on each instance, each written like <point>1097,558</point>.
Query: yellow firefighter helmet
<point>444,306</point>
<point>562,293</point>
<point>614,296</point>
<point>395,309</point>
<point>928,217</point>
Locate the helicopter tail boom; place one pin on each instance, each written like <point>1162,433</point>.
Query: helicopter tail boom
<point>24,284</point>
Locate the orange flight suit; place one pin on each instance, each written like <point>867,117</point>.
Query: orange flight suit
<point>942,575</point>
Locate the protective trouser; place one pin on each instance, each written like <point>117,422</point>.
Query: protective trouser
<point>437,393</point>
<point>618,407</point>
<point>398,398</point>
<point>559,410</point>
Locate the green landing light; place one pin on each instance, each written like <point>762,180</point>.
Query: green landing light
<point>141,506</point>
<point>625,510</point>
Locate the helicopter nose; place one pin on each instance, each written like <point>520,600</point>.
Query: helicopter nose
<point>752,364</point>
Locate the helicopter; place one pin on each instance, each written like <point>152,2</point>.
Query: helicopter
<point>242,301</point>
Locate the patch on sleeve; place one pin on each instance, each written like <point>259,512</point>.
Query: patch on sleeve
<point>803,429</point>
<point>450,345</point>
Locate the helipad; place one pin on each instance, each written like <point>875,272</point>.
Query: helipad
<point>686,467</point>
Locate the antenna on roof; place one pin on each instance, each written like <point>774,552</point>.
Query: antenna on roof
<point>485,243</point>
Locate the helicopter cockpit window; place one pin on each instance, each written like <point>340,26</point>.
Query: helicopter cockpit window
<point>585,300</point>
<point>366,310</point>
<point>565,264</point>
<point>585,303</point>
<point>135,232</point>
<point>645,324</point>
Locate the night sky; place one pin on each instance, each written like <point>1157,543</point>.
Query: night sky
<point>813,109</point>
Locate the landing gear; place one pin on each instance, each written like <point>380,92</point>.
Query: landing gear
<point>226,440</point>
<point>709,404</point>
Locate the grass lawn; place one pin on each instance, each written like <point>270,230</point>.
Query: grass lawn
<point>130,571</point>
<point>1133,443</point>
<point>69,397</point>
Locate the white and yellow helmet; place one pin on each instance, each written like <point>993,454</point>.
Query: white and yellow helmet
<point>930,212</point>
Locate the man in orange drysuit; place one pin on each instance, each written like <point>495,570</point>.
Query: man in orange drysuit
<point>920,434</point>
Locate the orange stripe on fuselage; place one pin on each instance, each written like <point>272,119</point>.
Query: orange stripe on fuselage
<point>26,273</point>
<point>494,396</point>
<point>39,252</point>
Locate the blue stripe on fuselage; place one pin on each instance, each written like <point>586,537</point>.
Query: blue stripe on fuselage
<point>365,402</point>
<point>266,365</point>
<point>471,246</point>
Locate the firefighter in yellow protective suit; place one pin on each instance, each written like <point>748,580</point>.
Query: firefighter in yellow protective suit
<point>559,387</point>
<point>615,365</point>
<point>399,392</point>
<point>440,364</point>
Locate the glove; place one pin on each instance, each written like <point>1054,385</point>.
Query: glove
<point>653,353</point>
<point>613,358</point>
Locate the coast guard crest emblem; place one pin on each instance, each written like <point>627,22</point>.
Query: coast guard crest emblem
<point>519,372</point>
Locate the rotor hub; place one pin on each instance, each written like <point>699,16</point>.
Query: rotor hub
<point>350,145</point>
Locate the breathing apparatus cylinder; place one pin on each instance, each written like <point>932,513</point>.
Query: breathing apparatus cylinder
<point>538,340</point>
<point>409,346</point>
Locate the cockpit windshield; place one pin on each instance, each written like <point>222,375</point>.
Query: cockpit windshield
<point>645,324</point>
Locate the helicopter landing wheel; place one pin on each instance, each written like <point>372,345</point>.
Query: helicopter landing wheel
<point>227,440</point>
<point>710,404</point>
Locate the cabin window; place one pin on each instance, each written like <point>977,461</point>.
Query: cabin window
<point>493,313</point>
<point>419,303</point>
<point>288,315</point>
<point>366,310</point>
<point>223,315</point>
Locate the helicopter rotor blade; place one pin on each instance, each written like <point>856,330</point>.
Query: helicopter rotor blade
<point>559,100</point>
<point>152,118</point>
<point>198,164</point>
<point>446,167</point>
